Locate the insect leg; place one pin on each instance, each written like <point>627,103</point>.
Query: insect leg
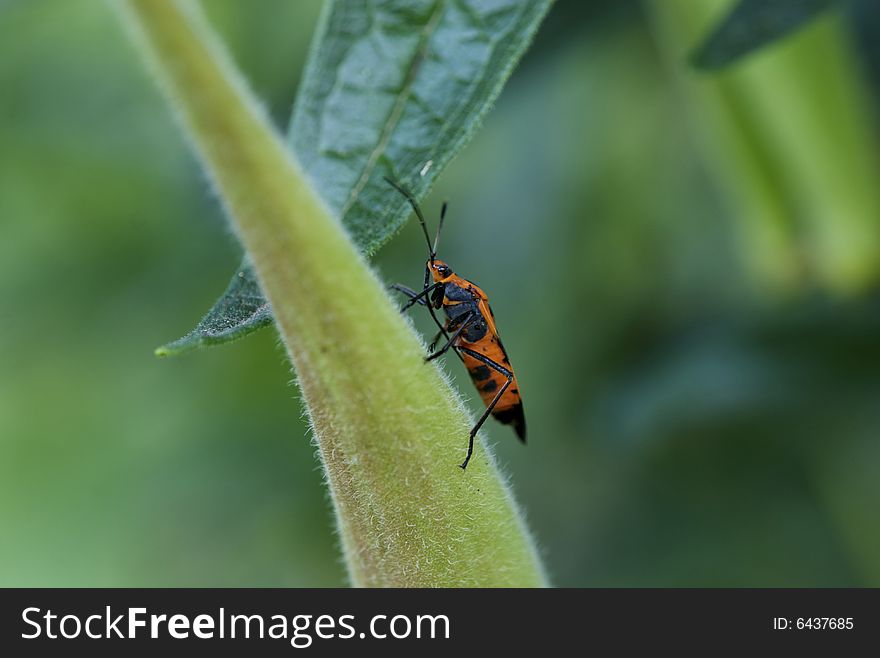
<point>409,292</point>
<point>439,324</point>
<point>504,371</point>
<point>443,350</point>
<point>419,297</point>
<point>433,345</point>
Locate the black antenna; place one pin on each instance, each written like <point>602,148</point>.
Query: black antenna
<point>439,226</point>
<point>409,197</point>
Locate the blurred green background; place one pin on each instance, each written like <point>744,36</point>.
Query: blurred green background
<point>684,268</point>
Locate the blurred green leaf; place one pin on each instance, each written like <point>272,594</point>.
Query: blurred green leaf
<point>394,89</point>
<point>789,138</point>
<point>753,24</point>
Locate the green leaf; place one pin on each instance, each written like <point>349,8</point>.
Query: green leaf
<point>239,311</point>
<point>390,89</point>
<point>753,24</point>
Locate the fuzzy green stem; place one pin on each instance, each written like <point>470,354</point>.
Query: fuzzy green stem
<point>389,428</point>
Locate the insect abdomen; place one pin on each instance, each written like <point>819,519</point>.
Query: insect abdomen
<point>488,381</point>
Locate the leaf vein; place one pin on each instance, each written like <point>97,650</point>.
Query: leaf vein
<point>398,108</point>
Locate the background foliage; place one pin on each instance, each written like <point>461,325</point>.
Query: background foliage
<point>695,419</point>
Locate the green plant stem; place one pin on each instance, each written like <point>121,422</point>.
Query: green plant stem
<point>389,428</point>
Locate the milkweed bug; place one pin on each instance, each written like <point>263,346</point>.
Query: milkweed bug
<point>469,331</point>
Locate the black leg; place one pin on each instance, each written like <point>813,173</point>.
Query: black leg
<point>485,359</point>
<point>443,350</point>
<point>409,292</point>
<point>416,297</point>
<point>438,323</point>
<point>433,345</point>
<point>421,298</point>
<point>504,371</point>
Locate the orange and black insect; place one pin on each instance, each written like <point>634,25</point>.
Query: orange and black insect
<point>469,331</point>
